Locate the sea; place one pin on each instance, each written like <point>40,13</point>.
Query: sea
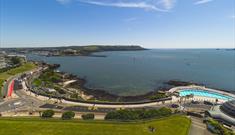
<point>130,73</point>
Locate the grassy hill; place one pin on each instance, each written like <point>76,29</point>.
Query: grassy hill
<point>76,50</point>
<point>174,125</point>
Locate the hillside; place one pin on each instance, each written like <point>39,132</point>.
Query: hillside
<point>73,50</point>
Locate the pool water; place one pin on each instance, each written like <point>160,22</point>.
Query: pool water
<point>204,94</point>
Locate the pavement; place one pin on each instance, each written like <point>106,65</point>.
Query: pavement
<point>198,127</point>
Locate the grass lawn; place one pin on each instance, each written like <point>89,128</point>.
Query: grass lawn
<point>23,68</point>
<point>14,71</point>
<point>174,125</point>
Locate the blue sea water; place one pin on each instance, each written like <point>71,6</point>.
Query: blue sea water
<point>138,72</point>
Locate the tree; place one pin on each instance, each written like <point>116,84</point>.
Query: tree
<point>165,111</point>
<point>89,116</point>
<point>15,60</point>
<point>48,113</point>
<point>68,115</point>
<point>138,114</point>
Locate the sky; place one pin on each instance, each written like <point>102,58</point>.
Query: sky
<point>149,23</point>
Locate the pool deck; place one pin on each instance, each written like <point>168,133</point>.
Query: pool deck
<point>203,98</point>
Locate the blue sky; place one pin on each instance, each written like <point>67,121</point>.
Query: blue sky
<point>149,23</point>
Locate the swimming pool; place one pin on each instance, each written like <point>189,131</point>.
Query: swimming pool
<point>204,93</point>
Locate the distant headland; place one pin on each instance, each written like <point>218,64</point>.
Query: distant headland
<point>75,50</point>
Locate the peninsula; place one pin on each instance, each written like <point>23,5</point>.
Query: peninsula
<point>74,50</point>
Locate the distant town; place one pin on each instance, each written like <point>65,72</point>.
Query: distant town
<point>72,50</point>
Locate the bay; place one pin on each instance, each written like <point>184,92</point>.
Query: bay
<point>138,72</point>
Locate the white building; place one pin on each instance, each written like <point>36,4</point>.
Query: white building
<point>3,63</point>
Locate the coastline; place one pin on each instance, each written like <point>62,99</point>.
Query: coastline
<point>101,103</point>
<point>76,50</point>
<point>101,95</point>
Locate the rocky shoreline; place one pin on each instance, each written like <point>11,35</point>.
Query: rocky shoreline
<point>104,96</point>
<point>181,83</point>
<point>101,94</point>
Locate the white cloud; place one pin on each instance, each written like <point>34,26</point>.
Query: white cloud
<point>156,5</point>
<point>167,4</point>
<point>202,2</point>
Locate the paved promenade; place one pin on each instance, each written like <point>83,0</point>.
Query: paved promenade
<point>198,127</point>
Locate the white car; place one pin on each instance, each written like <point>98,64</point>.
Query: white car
<point>17,103</point>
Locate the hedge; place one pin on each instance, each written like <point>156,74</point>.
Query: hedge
<point>48,114</point>
<point>68,115</point>
<point>138,114</point>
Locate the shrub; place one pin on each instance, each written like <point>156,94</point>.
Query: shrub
<point>123,115</point>
<point>138,114</point>
<point>15,60</point>
<point>89,116</point>
<point>48,113</point>
<point>68,115</point>
<point>164,111</point>
<point>215,127</point>
<point>61,91</point>
<point>158,96</point>
<point>37,82</point>
<point>74,96</point>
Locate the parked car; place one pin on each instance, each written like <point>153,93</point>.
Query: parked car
<point>207,103</point>
<point>174,106</point>
<point>195,102</point>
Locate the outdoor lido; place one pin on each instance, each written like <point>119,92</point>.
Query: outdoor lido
<point>223,108</point>
<point>201,93</point>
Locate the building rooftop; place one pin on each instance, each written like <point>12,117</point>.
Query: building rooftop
<point>228,108</point>
<point>224,112</point>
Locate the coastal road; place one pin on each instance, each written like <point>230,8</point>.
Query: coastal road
<point>21,102</point>
<point>8,105</point>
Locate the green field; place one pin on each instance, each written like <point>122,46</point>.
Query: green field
<point>174,125</point>
<point>14,71</point>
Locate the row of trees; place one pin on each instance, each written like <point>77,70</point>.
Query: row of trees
<point>66,115</point>
<point>138,114</point>
<point>116,115</point>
